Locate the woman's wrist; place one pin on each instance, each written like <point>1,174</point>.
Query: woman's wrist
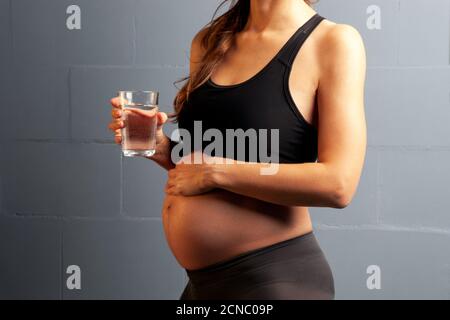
<point>162,153</point>
<point>218,175</point>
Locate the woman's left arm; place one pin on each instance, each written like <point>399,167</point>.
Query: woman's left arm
<point>333,179</point>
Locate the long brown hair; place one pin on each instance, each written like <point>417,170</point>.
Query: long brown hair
<point>218,38</point>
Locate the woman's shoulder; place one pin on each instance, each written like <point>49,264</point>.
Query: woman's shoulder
<point>339,41</point>
<point>340,33</point>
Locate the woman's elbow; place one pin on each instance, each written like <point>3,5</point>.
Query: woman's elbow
<point>341,195</point>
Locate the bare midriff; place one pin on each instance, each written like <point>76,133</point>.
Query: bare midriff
<point>216,226</point>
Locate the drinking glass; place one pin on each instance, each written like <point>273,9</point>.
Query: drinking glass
<point>139,109</point>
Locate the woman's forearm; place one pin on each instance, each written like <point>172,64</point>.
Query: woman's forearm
<point>305,184</point>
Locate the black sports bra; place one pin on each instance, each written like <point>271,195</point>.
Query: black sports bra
<point>261,102</point>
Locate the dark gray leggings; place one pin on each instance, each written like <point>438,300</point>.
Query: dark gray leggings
<point>288,270</point>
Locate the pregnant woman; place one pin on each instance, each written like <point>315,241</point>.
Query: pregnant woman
<point>264,64</point>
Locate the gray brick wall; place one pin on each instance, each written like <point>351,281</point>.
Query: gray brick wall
<point>67,197</point>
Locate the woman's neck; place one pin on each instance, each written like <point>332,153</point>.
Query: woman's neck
<point>276,14</point>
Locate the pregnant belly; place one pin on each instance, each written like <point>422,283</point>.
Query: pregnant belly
<point>215,226</point>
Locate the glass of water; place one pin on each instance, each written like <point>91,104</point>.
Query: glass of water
<point>139,109</point>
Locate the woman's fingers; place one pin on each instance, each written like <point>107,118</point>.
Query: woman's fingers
<point>144,113</point>
<point>115,102</point>
<point>116,124</point>
<point>116,113</point>
<point>162,118</point>
<point>118,136</point>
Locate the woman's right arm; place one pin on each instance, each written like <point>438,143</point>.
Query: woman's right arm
<point>164,144</point>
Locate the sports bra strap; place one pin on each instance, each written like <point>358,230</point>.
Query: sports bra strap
<point>289,52</point>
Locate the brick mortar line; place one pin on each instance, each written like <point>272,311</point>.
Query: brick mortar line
<point>65,141</point>
<point>69,125</point>
<point>76,218</point>
<point>410,147</point>
<point>319,226</point>
<point>384,227</point>
<point>61,259</point>
<point>409,67</point>
<point>134,40</point>
<point>121,187</point>
<point>397,34</point>
<point>378,188</point>
<point>11,35</point>
<point>128,66</point>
